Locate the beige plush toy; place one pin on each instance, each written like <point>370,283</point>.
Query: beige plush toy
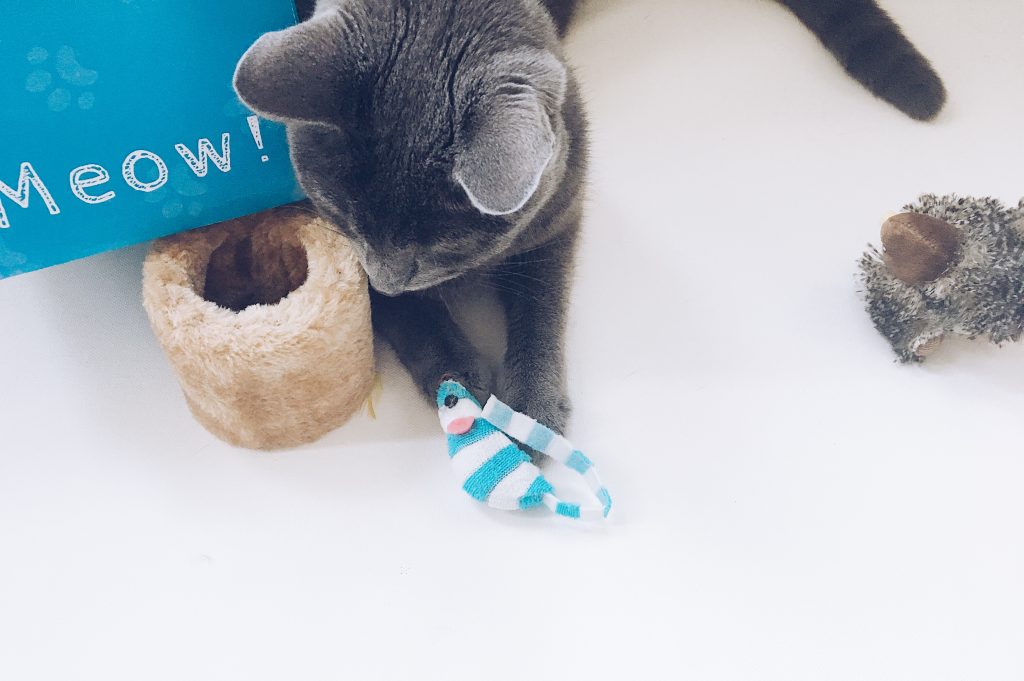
<point>266,321</point>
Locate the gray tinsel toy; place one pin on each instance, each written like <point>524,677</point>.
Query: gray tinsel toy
<point>949,265</point>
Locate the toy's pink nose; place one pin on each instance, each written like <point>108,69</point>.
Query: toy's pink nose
<point>460,426</point>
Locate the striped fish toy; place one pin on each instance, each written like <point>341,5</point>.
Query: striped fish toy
<point>494,470</point>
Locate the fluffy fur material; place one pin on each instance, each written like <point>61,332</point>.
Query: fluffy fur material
<point>266,321</point>
<point>980,292</point>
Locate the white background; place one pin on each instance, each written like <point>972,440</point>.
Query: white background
<point>791,504</point>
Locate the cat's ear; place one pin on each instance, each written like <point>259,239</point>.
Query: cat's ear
<point>296,74</point>
<point>508,138</point>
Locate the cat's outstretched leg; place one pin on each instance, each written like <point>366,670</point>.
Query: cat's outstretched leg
<point>428,342</point>
<point>535,289</point>
<point>873,49</point>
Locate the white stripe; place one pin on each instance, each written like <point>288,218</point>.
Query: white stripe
<point>488,408</point>
<point>520,426</point>
<point>559,449</point>
<point>588,512</point>
<point>508,492</point>
<point>470,458</point>
<point>592,480</point>
<point>461,410</point>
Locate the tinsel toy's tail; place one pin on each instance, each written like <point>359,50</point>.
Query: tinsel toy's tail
<point>541,438</point>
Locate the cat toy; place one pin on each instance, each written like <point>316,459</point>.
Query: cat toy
<point>266,322</point>
<point>494,470</point>
<point>949,266</point>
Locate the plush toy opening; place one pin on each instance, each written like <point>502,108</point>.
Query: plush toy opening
<point>259,268</point>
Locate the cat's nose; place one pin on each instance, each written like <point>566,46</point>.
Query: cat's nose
<point>396,272</point>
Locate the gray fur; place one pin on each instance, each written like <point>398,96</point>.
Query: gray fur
<point>446,139</point>
<point>502,159</point>
<point>980,295</point>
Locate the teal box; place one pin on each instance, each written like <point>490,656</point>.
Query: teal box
<point>118,124</point>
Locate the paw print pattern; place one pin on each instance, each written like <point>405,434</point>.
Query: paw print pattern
<point>233,106</point>
<point>181,195</point>
<point>10,261</point>
<point>69,83</point>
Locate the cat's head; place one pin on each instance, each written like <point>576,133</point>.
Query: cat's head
<point>430,133</point>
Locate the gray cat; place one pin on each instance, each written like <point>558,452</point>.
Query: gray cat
<point>447,140</point>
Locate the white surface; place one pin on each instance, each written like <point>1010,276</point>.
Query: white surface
<point>790,503</point>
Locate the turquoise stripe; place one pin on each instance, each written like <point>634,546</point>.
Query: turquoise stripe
<point>540,437</point>
<point>537,490</point>
<point>479,431</point>
<point>450,387</point>
<point>579,462</point>
<point>486,478</point>
<point>568,510</point>
<point>501,415</point>
<point>606,499</point>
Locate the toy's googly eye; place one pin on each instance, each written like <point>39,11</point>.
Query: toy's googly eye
<point>451,400</point>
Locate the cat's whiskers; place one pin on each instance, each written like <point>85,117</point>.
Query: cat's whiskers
<point>521,275</point>
<point>508,287</point>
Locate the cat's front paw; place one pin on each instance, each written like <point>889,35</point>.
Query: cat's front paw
<point>473,380</point>
<point>553,413</point>
<point>551,408</point>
